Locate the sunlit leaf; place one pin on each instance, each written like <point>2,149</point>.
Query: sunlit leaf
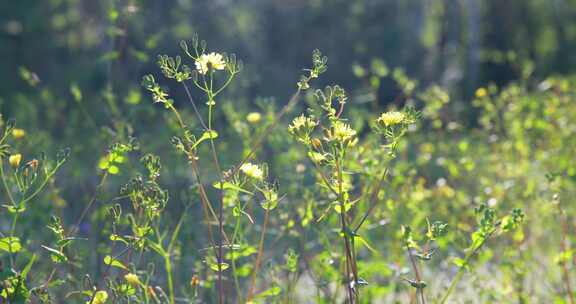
<point>223,266</point>
<point>108,260</point>
<point>10,244</point>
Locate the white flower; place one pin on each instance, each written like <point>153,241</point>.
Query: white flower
<point>213,61</point>
<point>253,171</point>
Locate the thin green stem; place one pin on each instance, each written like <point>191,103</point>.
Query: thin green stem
<point>347,252</point>
<point>42,185</point>
<point>419,291</point>
<point>168,266</point>
<point>5,184</point>
<point>373,199</point>
<point>12,233</point>
<point>259,256</point>
<point>221,233</point>
<point>233,261</point>
<point>232,74</point>
<point>178,117</point>
<point>463,268</point>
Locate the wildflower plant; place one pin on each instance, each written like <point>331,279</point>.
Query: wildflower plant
<point>330,140</point>
<point>25,183</point>
<point>212,74</point>
<point>356,206</point>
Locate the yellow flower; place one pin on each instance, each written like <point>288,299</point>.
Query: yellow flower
<point>100,297</point>
<point>342,132</point>
<point>481,93</point>
<point>132,279</point>
<point>254,117</point>
<point>213,61</point>
<point>302,122</point>
<point>18,133</point>
<point>252,171</point>
<point>15,160</point>
<point>302,126</point>
<point>391,118</point>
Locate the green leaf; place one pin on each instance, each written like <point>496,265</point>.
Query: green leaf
<point>211,134</point>
<point>338,208</point>
<point>108,260</point>
<point>269,204</point>
<point>13,209</point>
<point>10,244</point>
<point>231,186</point>
<point>460,262</point>
<point>366,244</point>
<point>28,266</point>
<point>214,266</point>
<point>271,292</point>
<point>76,92</point>
<point>244,270</point>
<point>157,248</point>
<point>56,255</point>
<point>271,199</point>
<point>117,238</point>
<point>113,169</point>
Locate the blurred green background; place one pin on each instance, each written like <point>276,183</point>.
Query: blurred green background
<point>457,43</point>
<point>69,68</point>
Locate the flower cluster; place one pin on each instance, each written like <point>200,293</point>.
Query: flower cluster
<point>342,133</point>
<point>301,127</point>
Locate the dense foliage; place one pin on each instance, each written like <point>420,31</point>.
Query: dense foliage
<point>131,177</point>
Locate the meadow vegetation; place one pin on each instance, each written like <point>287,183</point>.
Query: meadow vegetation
<point>188,191</point>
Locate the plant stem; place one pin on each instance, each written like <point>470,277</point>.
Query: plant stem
<point>233,261</point>
<point>42,185</point>
<point>12,232</point>
<point>373,199</point>
<point>419,291</point>
<point>462,269</point>
<point>220,256</point>
<point>168,266</point>
<point>90,203</point>
<point>350,265</point>
<point>259,256</point>
<point>5,184</point>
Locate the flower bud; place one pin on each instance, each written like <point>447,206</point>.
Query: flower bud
<point>254,117</point>
<point>15,160</point>
<point>18,133</point>
<point>132,279</point>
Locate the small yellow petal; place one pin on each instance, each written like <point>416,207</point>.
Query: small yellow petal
<point>481,93</point>
<point>18,133</point>
<point>254,117</point>
<point>132,279</point>
<point>15,160</point>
